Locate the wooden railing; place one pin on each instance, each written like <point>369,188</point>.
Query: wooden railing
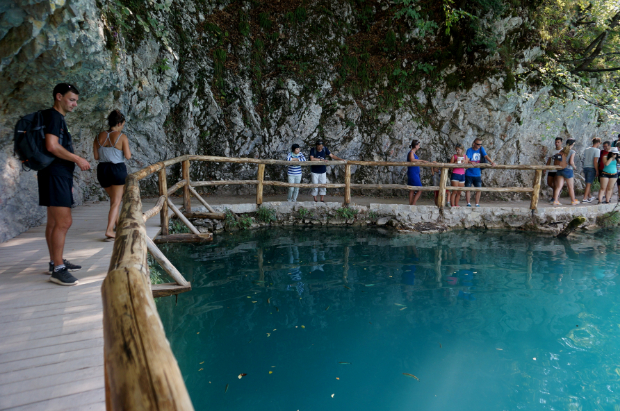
<point>141,372</point>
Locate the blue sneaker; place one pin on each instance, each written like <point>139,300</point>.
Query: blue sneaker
<point>468,204</point>
<point>477,205</point>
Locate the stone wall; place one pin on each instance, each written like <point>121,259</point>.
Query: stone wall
<point>419,219</point>
<point>165,89</point>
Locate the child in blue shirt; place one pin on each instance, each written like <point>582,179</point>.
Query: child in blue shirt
<point>294,172</point>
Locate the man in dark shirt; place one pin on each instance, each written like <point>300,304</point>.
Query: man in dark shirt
<point>319,173</point>
<point>56,181</point>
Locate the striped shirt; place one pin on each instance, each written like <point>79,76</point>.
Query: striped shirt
<point>295,170</point>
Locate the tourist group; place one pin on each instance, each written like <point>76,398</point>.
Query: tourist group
<point>111,148</point>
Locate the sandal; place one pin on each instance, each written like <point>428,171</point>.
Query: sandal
<point>576,202</point>
<point>557,203</point>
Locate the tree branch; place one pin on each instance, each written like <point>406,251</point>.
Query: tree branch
<point>599,70</point>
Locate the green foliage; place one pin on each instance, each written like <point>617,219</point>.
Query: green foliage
<point>178,227</point>
<point>244,25</point>
<point>264,21</point>
<point>266,214</point>
<point>245,222</point>
<point>509,81</point>
<point>163,66</point>
<point>390,41</point>
<point>157,274</point>
<point>346,213</point>
<point>372,215</point>
<point>219,58</point>
<point>301,14</point>
<point>230,222</point>
<point>304,213</point>
<point>608,220</point>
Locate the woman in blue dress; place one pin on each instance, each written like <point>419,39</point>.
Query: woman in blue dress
<point>413,173</point>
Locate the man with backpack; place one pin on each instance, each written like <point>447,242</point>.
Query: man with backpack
<point>56,181</point>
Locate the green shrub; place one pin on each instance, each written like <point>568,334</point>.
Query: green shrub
<point>230,222</point>
<point>245,222</point>
<point>372,215</point>
<point>509,81</point>
<point>304,213</point>
<point>244,25</point>
<point>157,274</point>
<point>608,220</point>
<point>264,21</point>
<point>266,214</point>
<point>177,227</point>
<point>346,213</point>
<point>390,41</point>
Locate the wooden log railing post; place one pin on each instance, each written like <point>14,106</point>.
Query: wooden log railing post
<point>165,263</point>
<point>536,192</point>
<point>259,188</point>
<point>443,179</point>
<point>347,184</point>
<point>187,201</point>
<point>163,191</point>
<point>181,217</point>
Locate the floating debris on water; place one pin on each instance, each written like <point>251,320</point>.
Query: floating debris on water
<point>400,305</point>
<point>270,372</point>
<point>402,308</point>
<point>268,334</point>
<point>226,389</point>
<point>268,300</point>
<point>303,326</point>
<point>439,345</point>
<point>200,369</point>
<point>202,362</point>
<point>344,363</point>
<point>348,288</point>
<point>333,395</point>
<point>327,308</point>
<point>499,349</point>
<point>370,285</point>
<point>241,375</point>
<point>411,375</point>
<point>277,309</point>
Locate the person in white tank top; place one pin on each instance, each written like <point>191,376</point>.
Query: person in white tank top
<point>111,148</point>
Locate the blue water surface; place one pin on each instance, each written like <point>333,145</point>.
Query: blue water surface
<point>334,319</point>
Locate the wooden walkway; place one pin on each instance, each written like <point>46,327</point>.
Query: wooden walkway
<point>51,343</point>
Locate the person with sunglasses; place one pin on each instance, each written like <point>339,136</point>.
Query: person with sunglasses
<point>473,176</point>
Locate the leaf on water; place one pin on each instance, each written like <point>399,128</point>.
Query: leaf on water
<point>200,369</point>
<point>226,389</point>
<point>249,296</point>
<point>400,305</point>
<point>275,329</point>
<point>439,345</point>
<point>411,375</point>
<point>344,363</point>
<point>241,375</point>
<point>327,308</point>
<point>370,285</point>
<point>333,395</point>
<point>303,326</point>
<point>198,332</point>
<point>202,362</point>
<point>346,287</point>
<point>253,302</point>
<point>403,308</point>
<point>268,334</point>
<point>277,309</point>
<point>337,378</point>
<point>499,349</point>
<point>270,372</point>
<point>268,300</point>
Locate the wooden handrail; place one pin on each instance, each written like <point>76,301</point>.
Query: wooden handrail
<point>140,369</point>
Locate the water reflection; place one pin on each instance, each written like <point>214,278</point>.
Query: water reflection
<point>485,320</point>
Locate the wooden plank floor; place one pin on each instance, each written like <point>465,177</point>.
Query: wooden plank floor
<point>51,337</point>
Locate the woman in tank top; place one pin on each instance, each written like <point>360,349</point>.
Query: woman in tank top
<point>111,148</point>
<point>458,174</point>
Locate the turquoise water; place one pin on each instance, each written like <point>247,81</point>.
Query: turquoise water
<point>330,319</point>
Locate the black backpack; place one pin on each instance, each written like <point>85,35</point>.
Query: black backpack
<point>29,142</point>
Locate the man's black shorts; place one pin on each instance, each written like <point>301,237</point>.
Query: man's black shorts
<point>110,174</point>
<point>55,191</point>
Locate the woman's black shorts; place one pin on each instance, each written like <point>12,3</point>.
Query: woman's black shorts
<point>110,174</point>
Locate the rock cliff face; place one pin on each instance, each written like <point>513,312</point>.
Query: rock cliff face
<point>182,97</point>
